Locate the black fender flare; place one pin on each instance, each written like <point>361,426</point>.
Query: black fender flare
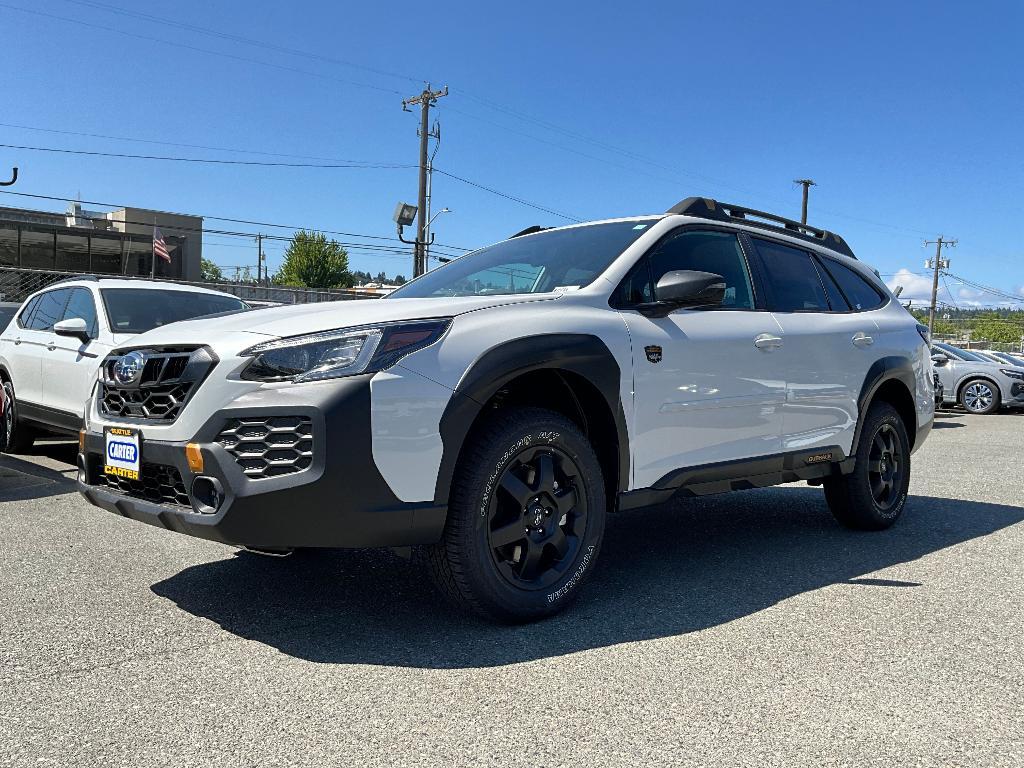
<point>883,370</point>
<point>582,354</point>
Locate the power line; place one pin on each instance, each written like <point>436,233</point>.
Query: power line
<point>176,144</point>
<point>219,218</point>
<point>186,46</point>
<point>986,288</point>
<point>513,198</point>
<point>261,44</point>
<point>212,161</point>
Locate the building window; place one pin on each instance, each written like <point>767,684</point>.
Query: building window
<point>72,253</point>
<point>37,247</point>
<point>106,254</point>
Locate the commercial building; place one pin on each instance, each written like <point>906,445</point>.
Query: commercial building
<point>117,242</point>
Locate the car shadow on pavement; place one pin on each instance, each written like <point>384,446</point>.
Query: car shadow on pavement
<point>21,480</point>
<point>663,571</point>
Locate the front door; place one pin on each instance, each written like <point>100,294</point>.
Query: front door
<point>69,364</point>
<point>708,385</point>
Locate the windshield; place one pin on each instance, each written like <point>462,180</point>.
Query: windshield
<point>137,310</point>
<point>561,258</point>
<point>962,354</point>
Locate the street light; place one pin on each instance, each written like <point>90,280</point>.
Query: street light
<point>430,237</point>
<point>443,210</point>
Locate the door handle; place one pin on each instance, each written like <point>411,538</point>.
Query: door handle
<point>17,341</point>
<point>861,339</point>
<point>51,346</point>
<point>767,342</point>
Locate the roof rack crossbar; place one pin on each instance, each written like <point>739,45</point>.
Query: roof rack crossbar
<point>708,208</point>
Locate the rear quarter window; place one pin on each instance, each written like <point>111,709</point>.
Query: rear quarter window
<point>861,294</point>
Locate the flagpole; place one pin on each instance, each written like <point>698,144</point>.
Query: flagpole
<point>152,274</point>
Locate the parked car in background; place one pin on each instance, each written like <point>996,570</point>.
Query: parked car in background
<point>50,352</point>
<point>7,311</point>
<point>999,358</point>
<point>978,384</point>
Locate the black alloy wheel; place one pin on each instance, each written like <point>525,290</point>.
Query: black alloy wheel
<point>538,517</point>
<point>872,495</point>
<point>525,519</point>
<point>885,466</point>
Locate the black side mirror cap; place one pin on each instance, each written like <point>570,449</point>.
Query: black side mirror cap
<point>685,289</point>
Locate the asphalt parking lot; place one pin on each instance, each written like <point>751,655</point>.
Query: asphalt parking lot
<point>738,630</point>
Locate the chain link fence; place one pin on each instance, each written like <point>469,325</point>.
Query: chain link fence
<point>17,283</point>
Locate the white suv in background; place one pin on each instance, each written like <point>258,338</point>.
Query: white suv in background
<point>498,408</point>
<point>50,351</point>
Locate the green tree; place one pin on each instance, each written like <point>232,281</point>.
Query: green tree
<point>313,261</point>
<point>997,330</point>
<point>210,271</point>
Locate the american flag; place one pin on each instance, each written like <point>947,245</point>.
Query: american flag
<point>160,245</point>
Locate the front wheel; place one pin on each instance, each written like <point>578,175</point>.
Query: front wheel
<point>979,396</point>
<point>15,437</point>
<point>873,495</point>
<point>525,519</point>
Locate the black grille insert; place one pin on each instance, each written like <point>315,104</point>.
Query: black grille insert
<point>269,446</point>
<point>167,380</point>
<point>158,483</point>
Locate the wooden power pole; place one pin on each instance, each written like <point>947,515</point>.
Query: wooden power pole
<point>426,100</point>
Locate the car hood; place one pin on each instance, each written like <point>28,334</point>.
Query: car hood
<point>238,329</point>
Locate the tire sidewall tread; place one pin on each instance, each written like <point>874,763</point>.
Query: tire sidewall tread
<point>461,564</point>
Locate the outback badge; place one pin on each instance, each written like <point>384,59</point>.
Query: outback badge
<point>653,353</point>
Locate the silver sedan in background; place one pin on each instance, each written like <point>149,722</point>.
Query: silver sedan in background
<point>977,383</point>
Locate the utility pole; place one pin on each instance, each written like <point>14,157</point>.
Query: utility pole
<point>259,259</point>
<point>426,100</point>
<point>936,264</point>
<point>806,184</point>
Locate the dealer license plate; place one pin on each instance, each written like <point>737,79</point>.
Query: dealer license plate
<point>123,452</point>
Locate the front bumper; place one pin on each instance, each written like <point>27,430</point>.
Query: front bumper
<point>341,500</point>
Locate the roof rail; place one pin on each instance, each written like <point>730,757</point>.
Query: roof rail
<point>530,231</point>
<point>707,208</point>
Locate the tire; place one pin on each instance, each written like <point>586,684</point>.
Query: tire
<point>980,397</point>
<point>15,436</point>
<point>526,518</point>
<point>872,497</point>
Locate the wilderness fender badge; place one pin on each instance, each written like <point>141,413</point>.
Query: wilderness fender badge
<point>653,353</point>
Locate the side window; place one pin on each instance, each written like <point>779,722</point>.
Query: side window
<point>835,296</point>
<point>717,252</point>
<point>636,288</point>
<point>792,279</point>
<point>860,293</point>
<point>81,305</point>
<point>49,310</point>
<point>26,314</point>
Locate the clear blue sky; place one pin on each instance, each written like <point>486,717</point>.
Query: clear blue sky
<point>908,115</point>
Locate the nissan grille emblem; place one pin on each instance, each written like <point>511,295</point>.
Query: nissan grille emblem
<point>128,368</point>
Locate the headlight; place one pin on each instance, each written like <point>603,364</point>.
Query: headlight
<point>344,352</point>
<point>1019,375</point>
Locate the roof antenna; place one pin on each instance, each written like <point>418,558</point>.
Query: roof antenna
<point>14,178</point>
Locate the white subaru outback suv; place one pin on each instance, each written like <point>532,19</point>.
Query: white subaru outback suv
<point>496,409</point>
<point>50,351</point>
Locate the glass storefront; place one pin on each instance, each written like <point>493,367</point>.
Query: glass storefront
<point>34,246</point>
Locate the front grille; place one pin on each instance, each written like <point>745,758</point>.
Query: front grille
<point>269,446</point>
<point>158,483</point>
<point>168,378</point>
<point>162,402</point>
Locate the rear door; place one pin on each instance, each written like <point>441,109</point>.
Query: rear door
<point>69,366</point>
<point>829,348</point>
<point>708,384</point>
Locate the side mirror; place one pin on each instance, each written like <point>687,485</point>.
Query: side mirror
<point>940,359</point>
<point>74,327</point>
<point>685,289</point>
